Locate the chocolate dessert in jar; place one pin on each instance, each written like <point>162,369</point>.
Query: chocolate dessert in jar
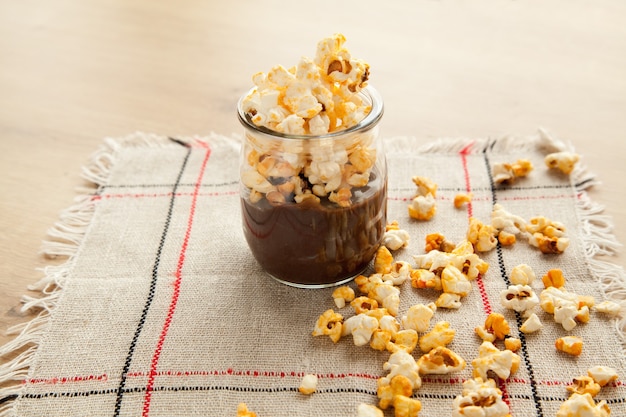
<point>313,172</point>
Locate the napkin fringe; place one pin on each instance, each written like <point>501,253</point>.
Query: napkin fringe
<point>64,240</point>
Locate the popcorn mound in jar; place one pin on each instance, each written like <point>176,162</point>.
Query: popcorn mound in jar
<point>313,178</point>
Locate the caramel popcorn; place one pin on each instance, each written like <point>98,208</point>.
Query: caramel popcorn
<point>454,281</point>
<point>342,295</point>
<point>496,323</point>
<point>461,199</point>
<point>242,411</point>
<point>405,406</point>
<point>423,278</point>
<point>386,392</point>
<point>602,375</point>
<point>367,410</point>
<point>447,300</point>
<point>584,385</point>
<point>423,206</point>
<point>383,260</point>
<point>572,345</point>
<point>547,235</point>
<point>437,241</point>
<point>519,298</point>
<point>308,384</point>
<point>329,324</point>
<point>480,398</point>
<point>507,173</point>
<point>400,272</point>
<point>553,278</point>
<point>512,343</point>
<point>563,161</point>
<point>440,335</point>
<point>403,340</point>
<point>482,236</point>
<point>491,359</point>
<point>363,304</point>
<point>439,361</point>
<point>583,406</point>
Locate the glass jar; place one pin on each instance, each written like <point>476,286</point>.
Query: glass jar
<point>314,207</point>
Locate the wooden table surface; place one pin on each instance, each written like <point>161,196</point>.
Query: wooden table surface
<point>73,72</point>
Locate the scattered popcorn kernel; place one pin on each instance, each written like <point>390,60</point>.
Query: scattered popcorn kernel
<point>400,272</point>
<point>390,324</point>
<point>425,186</point>
<point>482,236</point>
<point>507,173</point>
<point>522,275</point>
<point>565,307</point>
<point>531,325</point>
<point>440,335</point>
<point>461,199</point>
<point>418,318</point>
<point>519,298</point>
<point>404,406</point>
<point>402,363</point>
<point>480,398</point>
<point>447,300</point>
<point>329,324</point>
<point>378,313</point>
<point>439,361</point>
<point>403,340</point>
<point>423,207</point>
<point>437,241</point>
<point>572,345</point>
<point>454,281</point>
<point>491,359</point>
<point>380,339</point>
<point>547,235</point>
<point>363,304</point>
<point>383,260</point>
<point>603,375</point>
<point>367,284</point>
<point>367,410</point>
<point>583,406</point>
<point>497,324</point>
<point>242,411</point>
<point>387,295</point>
<point>512,343</point>
<point>308,384</point>
<point>485,334</point>
<point>506,238</point>
<point>563,161</point>
<point>553,278</point>
<point>608,307</point>
<point>361,327</point>
<point>387,391</point>
<point>433,260</point>
<point>395,239</point>
<point>343,294</point>
<point>506,224</point>
<point>423,278</point>
<point>584,385</point>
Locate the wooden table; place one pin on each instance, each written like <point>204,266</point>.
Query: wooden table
<point>73,72</point>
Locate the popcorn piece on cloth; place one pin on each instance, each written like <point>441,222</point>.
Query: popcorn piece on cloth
<point>584,385</point>
<point>568,308</point>
<point>386,392</point>
<point>440,335</point>
<point>461,199</point>
<point>482,236</point>
<point>531,325</point>
<point>603,375</point>
<point>512,343</point>
<point>503,363</point>
<point>496,323</point>
<point>437,241</point>
<point>404,406</point>
<point>572,345</point>
<point>308,384</point>
<point>423,206</point>
<point>342,295</point>
<point>329,324</point>
<point>583,406</point>
<point>383,260</point>
<point>553,278</point>
<point>363,304</point>
<point>480,398</point>
<point>439,361</point>
<point>242,411</point>
<point>403,340</point>
<point>450,301</point>
<point>507,173</point>
<point>507,225</point>
<point>401,363</point>
<point>367,410</point>
<point>610,308</point>
<point>418,317</point>
<point>519,298</point>
<point>522,275</point>
<point>547,235</point>
<point>564,161</point>
<point>361,327</point>
<point>395,238</point>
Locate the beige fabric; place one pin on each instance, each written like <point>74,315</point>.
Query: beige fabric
<point>161,310</point>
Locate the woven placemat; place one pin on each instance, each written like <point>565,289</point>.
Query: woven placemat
<point>161,310</point>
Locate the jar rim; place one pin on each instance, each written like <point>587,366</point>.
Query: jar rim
<point>369,121</point>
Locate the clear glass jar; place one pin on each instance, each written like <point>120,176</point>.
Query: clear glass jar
<point>314,207</point>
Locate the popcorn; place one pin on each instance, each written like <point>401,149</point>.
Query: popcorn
<point>553,278</point>
<point>583,406</point>
<point>329,324</point>
<point>566,307</point>
<point>440,335</point>
<point>512,343</point>
<point>423,278</point>
<point>490,359</point>
<point>363,304</point>
<point>584,385</point>
<point>610,308</point>
<point>531,325</point>
<point>454,282</point>
<point>507,225</point>
<point>242,411</point>
<point>383,260</point>
<point>507,173</point>
<point>380,339</point>
<point>461,199</point>
<point>361,327</point>
<point>394,237</point>
<point>437,241</point>
<point>482,236</point>
<point>406,407</point>
<point>447,300</point>
<point>547,235</point>
<point>602,375</point>
<point>423,206</point>
<point>519,298</point>
<point>563,161</point>
<point>403,340</point>
<point>400,272</point>
<point>572,345</point>
<point>480,398</point>
<point>522,275</point>
<point>343,294</point>
<point>401,363</point>
<point>387,391</point>
<point>484,334</point>
<point>418,317</point>
<point>425,186</point>
<point>496,323</point>
<point>440,360</point>
<point>308,384</point>
<point>366,410</point>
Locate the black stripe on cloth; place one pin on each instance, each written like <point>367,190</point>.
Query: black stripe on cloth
<point>121,389</point>
<point>503,273</point>
<point>182,184</point>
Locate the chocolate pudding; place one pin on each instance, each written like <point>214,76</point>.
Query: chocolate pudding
<point>317,243</point>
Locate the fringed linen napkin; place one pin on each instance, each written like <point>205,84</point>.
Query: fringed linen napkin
<point>161,310</point>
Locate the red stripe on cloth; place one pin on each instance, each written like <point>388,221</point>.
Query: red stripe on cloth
<point>154,195</point>
<point>468,185</point>
<point>66,379</point>
<point>176,292</point>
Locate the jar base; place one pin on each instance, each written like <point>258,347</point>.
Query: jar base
<point>317,286</point>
